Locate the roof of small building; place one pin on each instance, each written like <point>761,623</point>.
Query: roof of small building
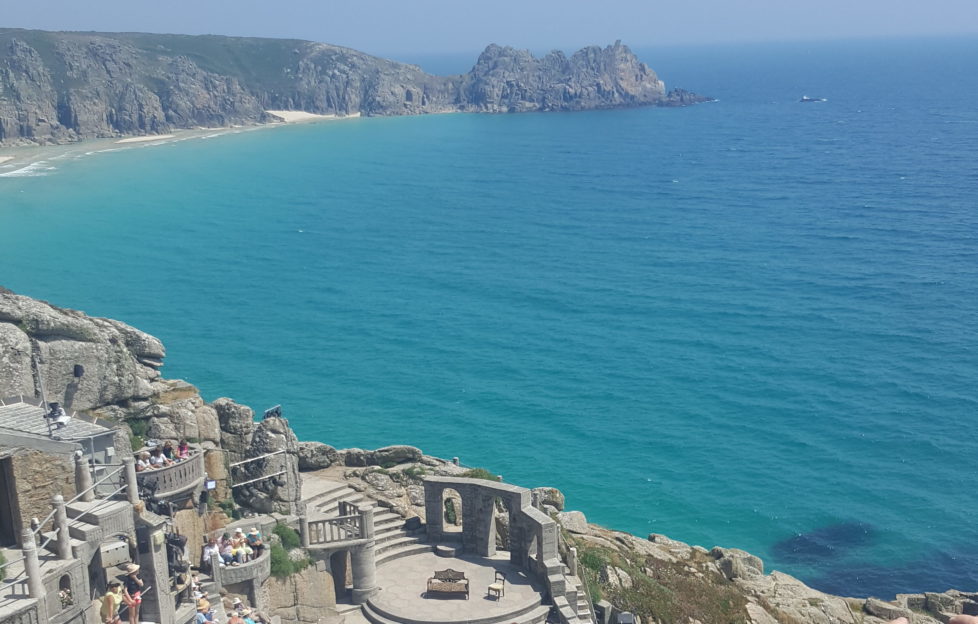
<point>26,418</point>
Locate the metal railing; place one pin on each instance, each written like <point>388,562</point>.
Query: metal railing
<point>335,530</point>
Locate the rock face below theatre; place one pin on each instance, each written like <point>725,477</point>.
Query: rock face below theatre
<point>58,87</point>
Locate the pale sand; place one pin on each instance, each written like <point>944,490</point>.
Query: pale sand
<point>4,159</point>
<point>143,139</point>
<point>300,116</point>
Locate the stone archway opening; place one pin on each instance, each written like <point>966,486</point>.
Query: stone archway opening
<point>501,523</point>
<point>65,592</point>
<point>452,512</point>
<point>339,566</point>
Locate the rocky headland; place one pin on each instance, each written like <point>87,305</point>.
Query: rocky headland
<point>657,578</point>
<point>58,87</point>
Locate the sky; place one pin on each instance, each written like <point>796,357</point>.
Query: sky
<point>398,27</point>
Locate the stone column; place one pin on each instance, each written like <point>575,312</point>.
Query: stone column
<point>132,486</point>
<point>434,511</point>
<point>32,570</point>
<point>367,522</point>
<point>304,531</point>
<point>364,572</point>
<point>61,524</point>
<point>216,562</point>
<point>364,560</point>
<point>572,560</point>
<point>83,478</point>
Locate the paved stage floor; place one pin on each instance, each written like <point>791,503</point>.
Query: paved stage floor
<point>403,583</point>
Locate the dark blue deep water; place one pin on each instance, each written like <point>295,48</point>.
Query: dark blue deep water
<point>750,323</point>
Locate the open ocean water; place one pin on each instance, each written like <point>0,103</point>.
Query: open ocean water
<point>749,323</point>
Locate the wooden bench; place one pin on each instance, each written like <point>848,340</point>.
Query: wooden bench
<point>448,582</point>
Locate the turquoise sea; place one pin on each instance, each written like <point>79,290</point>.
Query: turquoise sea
<point>750,323</point>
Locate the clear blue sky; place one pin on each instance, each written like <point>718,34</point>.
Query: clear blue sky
<point>411,27</point>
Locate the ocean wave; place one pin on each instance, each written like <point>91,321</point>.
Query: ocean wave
<point>33,170</point>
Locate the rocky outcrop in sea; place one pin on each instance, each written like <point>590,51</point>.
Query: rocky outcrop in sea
<point>63,87</point>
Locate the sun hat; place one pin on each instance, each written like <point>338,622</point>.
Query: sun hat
<point>132,567</point>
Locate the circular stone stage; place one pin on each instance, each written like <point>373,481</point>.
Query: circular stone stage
<point>403,583</point>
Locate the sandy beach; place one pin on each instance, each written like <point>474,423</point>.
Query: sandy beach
<point>302,116</point>
<point>143,139</point>
<point>4,159</point>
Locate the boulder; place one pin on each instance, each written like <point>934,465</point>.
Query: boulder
<point>280,493</point>
<point>886,610</point>
<point>395,455</point>
<point>735,563</point>
<point>208,424</point>
<point>355,457</point>
<point>547,496</point>
<point>237,424</point>
<point>316,456</point>
<point>573,521</point>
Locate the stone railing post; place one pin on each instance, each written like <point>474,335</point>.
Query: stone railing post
<point>83,478</point>
<point>367,522</point>
<point>132,486</point>
<point>572,560</point>
<point>61,524</point>
<point>216,563</point>
<point>304,531</point>
<point>32,570</point>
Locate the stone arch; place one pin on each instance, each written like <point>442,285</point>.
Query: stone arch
<point>339,567</point>
<point>452,513</point>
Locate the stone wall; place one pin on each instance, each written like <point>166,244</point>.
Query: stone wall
<point>25,615</point>
<point>304,597</point>
<point>37,478</point>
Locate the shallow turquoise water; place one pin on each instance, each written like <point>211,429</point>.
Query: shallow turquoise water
<point>750,323</point>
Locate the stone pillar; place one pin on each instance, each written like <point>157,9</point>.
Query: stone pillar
<point>83,478</point>
<point>364,559</point>
<point>364,572</point>
<point>484,519</point>
<point>32,570</point>
<point>132,487</point>
<point>61,524</point>
<point>434,511</point>
<point>572,560</point>
<point>216,562</point>
<point>304,531</point>
<point>367,522</point>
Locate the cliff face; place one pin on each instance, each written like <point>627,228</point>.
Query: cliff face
<point>60,87</point>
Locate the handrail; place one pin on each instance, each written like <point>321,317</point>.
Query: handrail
<point>251,459</point>
<point>41,524</point>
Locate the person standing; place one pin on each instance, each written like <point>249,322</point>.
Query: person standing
<point>133,592</point>
<point>110,603</point>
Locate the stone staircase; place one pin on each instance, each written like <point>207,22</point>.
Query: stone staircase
<point>582,606</point>
<point>392,540</point>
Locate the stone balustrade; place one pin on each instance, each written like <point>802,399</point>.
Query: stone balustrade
<point>338,529</point>
<point>258,570</point>
<point>180,478</point>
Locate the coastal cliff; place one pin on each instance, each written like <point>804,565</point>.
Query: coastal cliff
<point>659,579</point>
<point>65,86</point>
